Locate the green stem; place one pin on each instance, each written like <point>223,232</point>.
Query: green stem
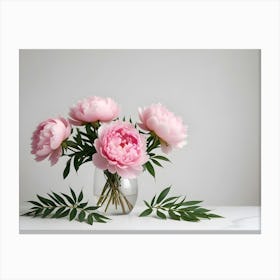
<point>122,205</point>
<point>113,195</point>
<point>104,198</point>
<point>109,200</point>
<point>102,193</point>
<point>129,205</point>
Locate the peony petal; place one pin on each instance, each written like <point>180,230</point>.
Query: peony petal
<point>58,133</point>
<point>165,148</point>
<point>162,131</point>
<point>40,158</point>
<point>128,173</point>
<point>44,150</point>
<point>181,144</point>
<point>94,109</point>
<point>100,161</point>
<point>112,169</point>
<point>152,123</point>
<point>55,155</point>
<point>141,125</point>
<point>74,122</point>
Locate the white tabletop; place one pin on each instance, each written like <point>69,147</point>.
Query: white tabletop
<point>241,219</point>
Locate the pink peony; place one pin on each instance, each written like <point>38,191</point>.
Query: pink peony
<point>47,139</point>
<point>120,148</point>
<point>94,109</point>
<point>168,127</point>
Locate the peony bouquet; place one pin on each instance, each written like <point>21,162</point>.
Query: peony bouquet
<point>120,148</point>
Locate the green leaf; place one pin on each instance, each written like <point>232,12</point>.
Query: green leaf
<point>162,158</point>
<point>180,203</point>
<point>214,216</point>
<point>101,216</point>
<point>150,168</point>
<point>89,131</point>
<point>163,194</point>
<point>87,159</point>
<point>64,214</point>
<point>73,214</point>
<point>161,215</point>
<point>98,218</point>
<point>200,209</point>
<point>82,205</point>
<point>90,208</point>
<point>46,201</point>
<point>153,201</point>
<point>191,208</point>
<point>47,212</point>
<point>147,212</point>
<point>90,219</point>
<point>71,144</point>
<point>173,216</point>
<point>82,216</point>
<point>30,213</point>
<point>188,218</point>
<point>149,140</point>
<point>73,195</point>
<point>147,204</point>
<point>80,198</point>
<point>170,198</point>
<point>35,203</point>
<point>76,162</point>
<point>59,198</point>
<point>53,198</point>
<point>79,137</point>
<point>67,168</point>
<point>70,200</point>
<point>192,216</point>
<point>156,162</point>
<point>201,215</point>
<point>38,211</point>
<point>58,212</point>
<point>168,205</point>
<point>191,202</point>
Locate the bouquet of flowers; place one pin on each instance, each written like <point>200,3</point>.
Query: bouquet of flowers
<point>94,132</point>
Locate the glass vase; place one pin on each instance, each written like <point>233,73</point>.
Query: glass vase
<point>115,195</point>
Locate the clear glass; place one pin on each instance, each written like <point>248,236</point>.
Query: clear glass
<point>115,195</point>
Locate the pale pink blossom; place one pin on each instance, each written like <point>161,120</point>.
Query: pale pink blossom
<point>165,124</point>
<point>94,109</point>
<point>48,137</point>
<point>120,148</point>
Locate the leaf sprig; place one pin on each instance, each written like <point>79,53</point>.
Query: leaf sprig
<point>65,205</point>
<point>153,142</point>
<point>81,148</point>
<point>183,210</point>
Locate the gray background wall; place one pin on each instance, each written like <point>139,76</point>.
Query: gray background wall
<point>217,92</point>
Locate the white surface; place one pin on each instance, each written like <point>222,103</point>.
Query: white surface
<point>237,220</point>
<point>216,92</point>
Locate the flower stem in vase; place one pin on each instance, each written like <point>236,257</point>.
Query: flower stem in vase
<point>113,194</point>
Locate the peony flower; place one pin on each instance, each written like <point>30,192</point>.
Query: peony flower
<point>120,148</point>
<point>94,109</point>
<point>48,137</point>
<point>168,127</point>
